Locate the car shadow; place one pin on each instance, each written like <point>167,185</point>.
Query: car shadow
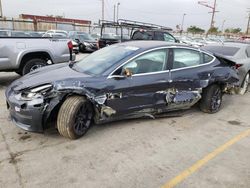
<point>7,77</point>
<point>96,130</point>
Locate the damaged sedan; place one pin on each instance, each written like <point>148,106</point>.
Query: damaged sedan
<point>122,81</point>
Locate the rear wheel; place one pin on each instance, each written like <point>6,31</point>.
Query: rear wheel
<point>211,99</point>
<point>244,86</point>
<point>32,65</point>
<point>75,117</point>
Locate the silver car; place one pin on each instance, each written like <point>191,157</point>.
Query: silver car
<point>239,53</point>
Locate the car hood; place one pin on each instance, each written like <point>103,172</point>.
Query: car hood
<point>51,74</point>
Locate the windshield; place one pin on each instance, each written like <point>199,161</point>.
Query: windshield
<point>109,36</point>
<point>100,61</point>
<point>85,37</point>
<point>223,50</point>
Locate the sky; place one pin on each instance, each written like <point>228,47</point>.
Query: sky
<point>163,12</point>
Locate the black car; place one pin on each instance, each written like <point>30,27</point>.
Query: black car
<point>126,80</point>
<point>127,30</point>
<point>85,41</point>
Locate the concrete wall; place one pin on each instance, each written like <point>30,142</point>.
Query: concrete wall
<point>30,25</point>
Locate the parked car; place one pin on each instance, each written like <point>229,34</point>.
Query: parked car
<point>57,31</point>
<point>189,41</point>
<point>55,35</point>
<point>126,80</point>
<point>19,34</point>
<point>36,34</point>
<point>85,41</point>
<point>4,33</point>
<point>24,55</point>
<point>62,36</point>
<point>205,41</point>
<point>238,52</point>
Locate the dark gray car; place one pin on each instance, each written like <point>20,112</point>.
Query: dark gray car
<point>85,41</point>
<point>126,80</point>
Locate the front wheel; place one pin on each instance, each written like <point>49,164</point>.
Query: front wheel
<point>211,99</point>
<point>75,117</point>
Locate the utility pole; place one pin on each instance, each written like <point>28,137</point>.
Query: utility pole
<point>1,9</point>
<point>182,23</point>
<point>117,13</point>
<point>248,23</point>
<point>114,11</point>
<point>204,3</point>
<point>222,26</point>
<point>102,9</point>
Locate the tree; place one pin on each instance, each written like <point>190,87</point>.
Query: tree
<point>213,30</point>
<point>194,30</point>
<point>233,30</point>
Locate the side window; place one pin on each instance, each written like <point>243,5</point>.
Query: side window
<point>168,38</point>
<point>159,36</point>
<point>150,62</point>
<point>207,58</point>
<point>186,58</point>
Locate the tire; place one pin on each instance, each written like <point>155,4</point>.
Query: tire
<point>75,117</point>
<point>33,64</point>
<point>244,86</point>
<point>211,99</point>
<point>81,48</point>
<point>19,72</point>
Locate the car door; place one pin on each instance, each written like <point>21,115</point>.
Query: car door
<point>190,71</point>
<point>116,92</point>
<point>148,82</point>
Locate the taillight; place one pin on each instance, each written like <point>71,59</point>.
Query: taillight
<point>237,66</point>
<point>70,45</point>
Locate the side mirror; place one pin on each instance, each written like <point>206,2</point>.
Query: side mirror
<point>127,72</point>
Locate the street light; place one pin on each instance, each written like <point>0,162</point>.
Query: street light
<point>117,13</point>
<point>182,23</point>
<point>1,9</point>
<point>222,27</point>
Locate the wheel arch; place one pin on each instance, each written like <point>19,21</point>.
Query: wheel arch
<point>34,55</point>
<point>52,110</point>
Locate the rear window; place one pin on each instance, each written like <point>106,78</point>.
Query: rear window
<point>138,35</point>
<point>223,50</point>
